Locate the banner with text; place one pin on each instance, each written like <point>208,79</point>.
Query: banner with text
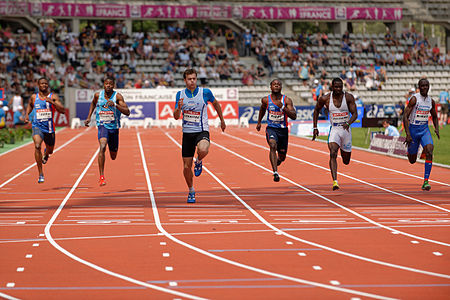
<point>201,12</point>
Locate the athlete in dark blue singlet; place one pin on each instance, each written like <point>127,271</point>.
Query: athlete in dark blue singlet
<point>279,108</point>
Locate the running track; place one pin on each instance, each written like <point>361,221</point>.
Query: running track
<point>247,237</point>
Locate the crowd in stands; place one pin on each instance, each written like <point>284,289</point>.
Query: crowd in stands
<point>54,51</point>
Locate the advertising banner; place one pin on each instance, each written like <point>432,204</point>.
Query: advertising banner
<point>200,12</point>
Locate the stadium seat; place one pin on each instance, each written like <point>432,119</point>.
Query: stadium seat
<point>76,122</point>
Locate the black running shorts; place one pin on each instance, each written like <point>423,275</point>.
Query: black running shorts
<point>190,141</point>
<point>280,135</point>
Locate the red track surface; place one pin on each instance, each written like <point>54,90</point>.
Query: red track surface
<point>247,237</point>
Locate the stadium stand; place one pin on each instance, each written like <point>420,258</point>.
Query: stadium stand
<point>379,68</point>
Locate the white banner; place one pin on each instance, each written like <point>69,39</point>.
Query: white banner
<point>156,95</point>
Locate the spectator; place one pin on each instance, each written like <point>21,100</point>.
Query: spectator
<point>389,129</point>
<point>2,116</point>
<point>16,101</point>
<point>247,42</point>
<point>358,101</point>
<point>304,73</point>
<point>19,116</point>
<point>443,101</point>
<point>247,78</point>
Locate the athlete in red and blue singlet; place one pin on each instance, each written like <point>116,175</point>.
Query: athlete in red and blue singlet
<point>279,108</point>
<point>43,105</point>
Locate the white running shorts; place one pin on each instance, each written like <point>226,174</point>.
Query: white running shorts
<point>341,137</point>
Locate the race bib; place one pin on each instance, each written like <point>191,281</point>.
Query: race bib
<point>43,114</point>
<point>192,117</point>
<point>422,115</point>
<point>339,118</point>
<point>276,116</point>
<point>106,116</point>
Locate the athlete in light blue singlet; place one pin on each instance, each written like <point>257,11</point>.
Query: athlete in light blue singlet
<point>42,106</point>
<point>415,121</point>
<point>109,106</point>
<point>192,102</point>
<point>279,108</point>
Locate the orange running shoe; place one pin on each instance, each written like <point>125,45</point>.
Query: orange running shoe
<point>102,181</point>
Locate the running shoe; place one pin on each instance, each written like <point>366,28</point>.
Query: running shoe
<point>102,181</point>
<point>276,177</point>
<point>41,178</point>
<point>191,197</point>
<point>335,185</point>
<point>426,186</point>
<point>198,168</point>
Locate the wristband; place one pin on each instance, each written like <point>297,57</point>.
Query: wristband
<point>347,123</point>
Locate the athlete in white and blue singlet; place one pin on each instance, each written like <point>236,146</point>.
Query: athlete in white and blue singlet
<point>340,105</point>
<point>279,108</point>
<point>43,105</point>
<point>109,106</point>
<point>193,101</point>
<point>415,121</point>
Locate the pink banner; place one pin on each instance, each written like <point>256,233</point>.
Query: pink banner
<point>185,12</point>
<point>13,9</point>
<point>372,13</point>
<point>198,12</point>
<point>287,13</point>
<point>80,10</point>
<point>318,13</point>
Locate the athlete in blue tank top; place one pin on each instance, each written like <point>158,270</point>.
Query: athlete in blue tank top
<point>109,106</point>
<point>415,121</point>
<point>193,102</point>
<point>43,105</point>
<point>279,108</point>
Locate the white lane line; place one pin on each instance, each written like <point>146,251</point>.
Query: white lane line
<point>362,162</point>
<point>32,165</point>
<point>8,296</point>
<point>94,266</point>
<point>265,272</point>
<point>345,175</point>
<point>315,244</point>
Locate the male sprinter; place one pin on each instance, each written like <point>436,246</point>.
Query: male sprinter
<point>193,101</point>
<point>339,104</point>
<point>109,106</point>
<point>279,108</point>
<point>415,121</point>
<point>43,105</point>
